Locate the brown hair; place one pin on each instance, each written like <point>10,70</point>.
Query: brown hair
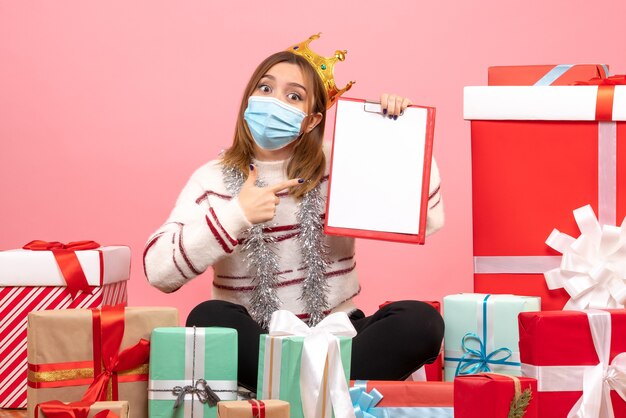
<point>308,160</point>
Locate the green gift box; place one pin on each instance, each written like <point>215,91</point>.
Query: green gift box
<point>482,333</point>
<point>188,367</point>
<point>280,359</point>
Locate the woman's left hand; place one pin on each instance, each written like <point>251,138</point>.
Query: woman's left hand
<point>393,105</point>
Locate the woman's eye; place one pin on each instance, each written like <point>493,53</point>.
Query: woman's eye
<point>265,88</point>
<point>294,96</point>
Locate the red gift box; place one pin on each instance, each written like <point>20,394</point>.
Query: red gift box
<point>395,394</point>
<point>559,349</point>
<point>37,280</point>
<point>489,395</point>
<point>553,75</point>
<point>538,153</point>
<point>432,372</point>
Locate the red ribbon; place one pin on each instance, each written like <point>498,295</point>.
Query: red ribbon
<point>258,408</point>
<point>606,91</point>
<point>108,330</point>
<point>65,257</point>
<point>80,409</point>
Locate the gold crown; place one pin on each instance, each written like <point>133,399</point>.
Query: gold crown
<point>324,67</point>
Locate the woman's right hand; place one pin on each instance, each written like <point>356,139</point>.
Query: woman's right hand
<point>259,203</point>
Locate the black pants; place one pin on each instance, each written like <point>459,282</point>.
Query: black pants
<point>390,345</point>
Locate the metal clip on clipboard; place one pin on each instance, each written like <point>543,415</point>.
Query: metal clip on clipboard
<point>372,107</point>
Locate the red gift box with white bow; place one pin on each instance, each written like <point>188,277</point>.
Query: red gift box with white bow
<point>538,153</point>
<point>578,359</point>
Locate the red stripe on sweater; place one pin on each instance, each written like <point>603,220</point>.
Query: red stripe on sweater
<point>217,236</point>
<point>287,236</point>
<point>219,224</point>
<point>333,262</point>
<point>345,258</point>
<point>148,246</point>
<point>174,259</point>
<point>435,204</point>
<point>208,193</point>
<point>285,283</point>
<point>430,196</point>
<point>219,276</point>
<point>184,253</point>
<point>280,228</point>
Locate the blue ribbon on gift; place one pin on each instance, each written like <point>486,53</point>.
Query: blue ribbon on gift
<point>478,360</point>
<point>364,403</point>
<point>365,406</point>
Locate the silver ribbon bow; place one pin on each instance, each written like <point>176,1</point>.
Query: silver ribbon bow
<point>201,389</point>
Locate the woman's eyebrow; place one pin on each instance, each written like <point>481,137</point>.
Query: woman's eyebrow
<point>297,85</point>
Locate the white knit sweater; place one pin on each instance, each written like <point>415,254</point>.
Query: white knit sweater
<point>206,226</point>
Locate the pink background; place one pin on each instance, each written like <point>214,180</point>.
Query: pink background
<point>106,108</point>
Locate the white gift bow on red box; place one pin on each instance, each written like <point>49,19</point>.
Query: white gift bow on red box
<point>595,382</point>
<point>593,267</point>
<point>320,345</point>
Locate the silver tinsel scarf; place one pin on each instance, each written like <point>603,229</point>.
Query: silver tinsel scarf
<point>314,255</point>
<point>259,250</point>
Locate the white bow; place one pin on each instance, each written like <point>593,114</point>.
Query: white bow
<point>593,266</point>
<point>320,357</point>
<point>598,381</point>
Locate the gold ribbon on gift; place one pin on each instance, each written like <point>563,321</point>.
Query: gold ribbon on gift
<point>55,375</point>
<point>108,366</point>
<point>520,400</point>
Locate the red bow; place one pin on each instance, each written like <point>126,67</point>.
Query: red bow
<point>65,257</point>
<point>606,90</point>
<point>613,80</point>
<point>258,408</point>
<point>108,330</point>
<point>80,409</point>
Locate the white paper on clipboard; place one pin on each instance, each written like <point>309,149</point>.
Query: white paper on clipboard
<point>377,169</point>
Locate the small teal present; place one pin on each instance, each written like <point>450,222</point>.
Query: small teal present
<point>190,370</point>
<point>307,367</point>
<point>482,333</point>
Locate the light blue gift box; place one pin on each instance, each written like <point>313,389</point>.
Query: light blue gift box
<point>482,333</point>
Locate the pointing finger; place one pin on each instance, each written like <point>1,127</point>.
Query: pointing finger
<point>285,185</point>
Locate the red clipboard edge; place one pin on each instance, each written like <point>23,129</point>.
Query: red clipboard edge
<point>390,236</point>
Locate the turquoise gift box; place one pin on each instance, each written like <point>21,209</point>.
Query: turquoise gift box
<point>482,334</point>
<point>279,368</point>
<point>188,366</point>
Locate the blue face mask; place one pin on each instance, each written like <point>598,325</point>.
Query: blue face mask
<point>273,124</point>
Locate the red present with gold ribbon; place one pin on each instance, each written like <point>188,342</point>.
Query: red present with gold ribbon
<point>106,409</point>
<point>92,354</point>
<point>544,75</point>
<point>538,153</point>
<point>492,395</point>
<point>51,275</point>
<point>271,408</point>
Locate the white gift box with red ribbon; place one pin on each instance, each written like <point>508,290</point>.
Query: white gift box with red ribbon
<point>33,281</point>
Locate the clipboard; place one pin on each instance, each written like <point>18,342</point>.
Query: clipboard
<point>379,172</point>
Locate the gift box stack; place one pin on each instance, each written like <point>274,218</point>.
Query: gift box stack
<point>547,143</point>
<point>46,276</point>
